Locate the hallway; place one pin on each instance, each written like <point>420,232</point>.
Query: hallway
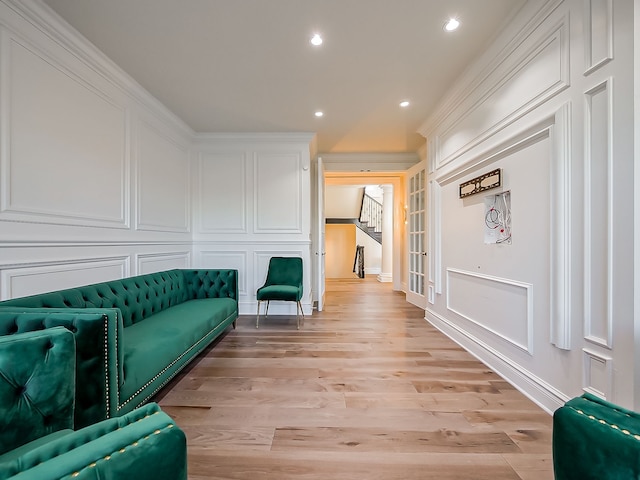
<point>366,389</point>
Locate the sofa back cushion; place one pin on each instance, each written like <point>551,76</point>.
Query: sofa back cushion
<point>136,297</point>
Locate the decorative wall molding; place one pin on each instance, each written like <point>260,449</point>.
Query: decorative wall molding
<point>34,278</point>
<point>598,34</point>
<point>158,262</point>
<point>480,73</point>
<point>233,259</point>
<point>598,215</point>
<point>521,83</point>
<point>163,202</point>
<point>597,376</point>
<point>277,188</point>
<point>488,316</point>
<point>205,140</point>
<point>556,127</point>
<point>222,179</point>
<point>27,75</point>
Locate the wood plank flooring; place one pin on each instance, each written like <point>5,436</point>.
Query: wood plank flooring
<point>366,389</point>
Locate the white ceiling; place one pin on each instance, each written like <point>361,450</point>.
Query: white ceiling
<point>248,66</point>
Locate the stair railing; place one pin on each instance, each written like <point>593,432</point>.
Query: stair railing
<point>371,213</point>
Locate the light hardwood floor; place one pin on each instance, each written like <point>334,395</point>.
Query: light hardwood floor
<point>366,389</point>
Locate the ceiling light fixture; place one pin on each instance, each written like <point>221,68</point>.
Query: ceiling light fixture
<point>451,25</point>
<point>316,40</point>
<point>319,114</point>
<point>404,103</point>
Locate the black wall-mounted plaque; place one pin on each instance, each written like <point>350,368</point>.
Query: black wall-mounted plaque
<point>479,184</point>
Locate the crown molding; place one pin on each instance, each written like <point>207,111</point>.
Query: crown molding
<point>221,138</point>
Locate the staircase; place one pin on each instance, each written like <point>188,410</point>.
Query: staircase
<point>370,220</point>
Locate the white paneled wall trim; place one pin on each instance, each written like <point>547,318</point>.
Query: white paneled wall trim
<point>494,70</point>
<point>549,103</point>
<point>158,262</point>
<point>597,375</point>
<point>500,306</point>
<point>598,35</point>
<point>39,277</point>
<point>599,215</point>
<point>37,126</point>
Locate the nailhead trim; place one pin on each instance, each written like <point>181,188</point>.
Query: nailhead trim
<point>604,422</point>
<point>123,449</point>
<point>106,362</point>
<point>186,352</point>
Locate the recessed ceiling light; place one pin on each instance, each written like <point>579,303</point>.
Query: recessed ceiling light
<point>319,113</point>
<point>316,40</point>
<point>404,103</point>
<point>451,25</point>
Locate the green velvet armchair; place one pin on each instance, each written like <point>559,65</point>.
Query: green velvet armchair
<point>595,439</point>
<point>284,283</point>
<point>37,391</point>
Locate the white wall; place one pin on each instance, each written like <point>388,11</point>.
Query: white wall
<point>372,253</point>
<point>343,201</point>
<point>94,172</point>
<point>548,104</point>
<point>252,201</point>
<point>99,181</point>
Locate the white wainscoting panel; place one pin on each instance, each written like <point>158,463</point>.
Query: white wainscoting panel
<point>534,74</point>
<point>223,193</point>
<point>501,306</point>
<point>163,181</point>
<point>598,32</point>
<point>598,275</point>
<point>232,259</point>
<point>65,154</point>
<point>33,279</point>
<point>597,374</point>
<point>278,193</point>
<point>159,262</point>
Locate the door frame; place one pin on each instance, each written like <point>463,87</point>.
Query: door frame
<point>397,179</point>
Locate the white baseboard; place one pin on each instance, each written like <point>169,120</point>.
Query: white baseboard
<point>537,390</point>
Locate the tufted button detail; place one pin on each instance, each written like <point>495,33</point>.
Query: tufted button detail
<point>21,390</point>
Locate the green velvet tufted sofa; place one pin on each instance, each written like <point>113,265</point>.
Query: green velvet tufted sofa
<point>37,440</point>
<point>595,439</point>
<point>132,335</point>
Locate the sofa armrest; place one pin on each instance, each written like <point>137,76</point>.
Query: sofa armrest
<point>144,444</point>
<point>212,283</point>
<point>97,333</point>
<point>593,438</point>
<point>37,385</point>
